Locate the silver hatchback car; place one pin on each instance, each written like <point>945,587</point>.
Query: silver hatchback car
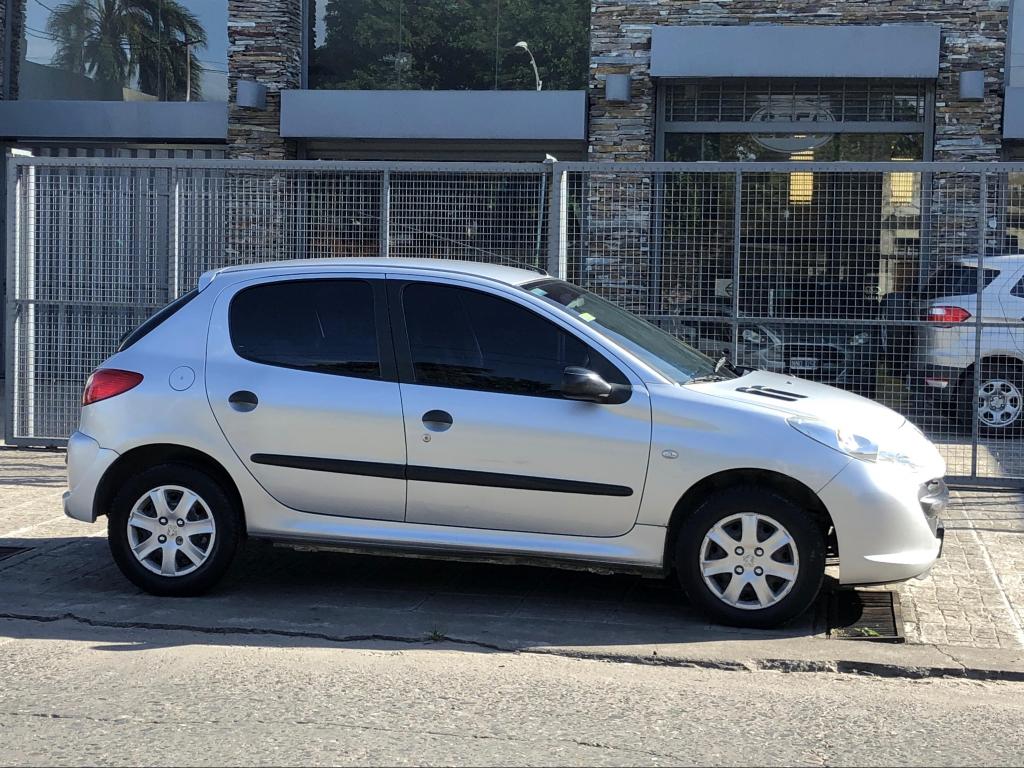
<point>465,411</point>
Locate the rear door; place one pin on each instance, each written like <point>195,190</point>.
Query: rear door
<point>301,377</point>
<point>492,443</point>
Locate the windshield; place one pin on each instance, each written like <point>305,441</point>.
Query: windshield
<point>661,351</point>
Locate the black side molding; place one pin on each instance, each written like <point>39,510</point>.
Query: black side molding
<point>440,475</point>
<point>522,482</point>
<point>340,466</point>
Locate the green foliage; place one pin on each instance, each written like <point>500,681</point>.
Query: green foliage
<point>452,44</point>
<point>112,41</point>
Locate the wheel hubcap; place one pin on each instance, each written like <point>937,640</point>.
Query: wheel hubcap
<point>749,561</point>
<point>171,531</point>
<point>999,403</point>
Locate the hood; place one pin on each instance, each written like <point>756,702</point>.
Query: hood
<point>799,397</point>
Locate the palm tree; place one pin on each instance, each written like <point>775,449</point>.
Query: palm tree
<point>113,41</point>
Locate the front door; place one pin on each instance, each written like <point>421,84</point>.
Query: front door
<point>301,378</point>
<point>491,442</point>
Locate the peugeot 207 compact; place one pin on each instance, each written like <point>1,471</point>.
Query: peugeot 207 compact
<point>465,411</point>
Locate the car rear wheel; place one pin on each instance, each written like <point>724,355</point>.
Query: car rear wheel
<point>749,557</point>
<point>173,530</point>
<point>998,402</point>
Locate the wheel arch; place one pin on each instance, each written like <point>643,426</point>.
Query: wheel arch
<point>790,487</point>
<point>145,456</point>
<point>998,359</point>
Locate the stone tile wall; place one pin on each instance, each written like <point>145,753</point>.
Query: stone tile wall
<point>265,45</point>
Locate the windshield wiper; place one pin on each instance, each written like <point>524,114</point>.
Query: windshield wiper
<point>707,377</point>
<point>722,364</point>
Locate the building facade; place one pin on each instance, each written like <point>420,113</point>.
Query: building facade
<point>622,80</point>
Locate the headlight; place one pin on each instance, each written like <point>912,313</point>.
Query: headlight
<point>841,440</point>
<point>859,339</point>
<point>852,444</point>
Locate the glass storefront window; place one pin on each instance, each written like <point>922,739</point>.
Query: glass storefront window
<point>749,147</point>
<point>124,50</point>
<point>450,45</point>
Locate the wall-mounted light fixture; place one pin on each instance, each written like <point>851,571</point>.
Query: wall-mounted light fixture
<point>972,85</point>
<point>251,95</point>
<point>617,88</point>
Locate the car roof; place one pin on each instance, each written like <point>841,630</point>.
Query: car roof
<point>1002,260</point>
<point>498,272</point>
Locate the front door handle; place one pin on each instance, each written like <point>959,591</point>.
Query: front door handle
<point>437,421</point>
<point>243,400</point>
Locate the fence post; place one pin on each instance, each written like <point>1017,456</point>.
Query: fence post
<point>978,328</point>
<point>11,258</point>
<point>174,212</point>
<point>384,233</point>
<point>737,234</point>
<point>558,221</point>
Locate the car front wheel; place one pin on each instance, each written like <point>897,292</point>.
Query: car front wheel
<point>173,530</point>
<point>749,557</point>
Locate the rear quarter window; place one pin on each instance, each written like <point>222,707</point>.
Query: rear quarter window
<point>156,320</point>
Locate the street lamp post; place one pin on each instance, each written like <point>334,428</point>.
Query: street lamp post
<point>536,75</point>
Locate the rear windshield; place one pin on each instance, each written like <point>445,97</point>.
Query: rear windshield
<point>957,280</point>
<point>156,320</point>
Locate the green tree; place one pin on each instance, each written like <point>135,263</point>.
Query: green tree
<point>452,44</point>
<point>113,41</point>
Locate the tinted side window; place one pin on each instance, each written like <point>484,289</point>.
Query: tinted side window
<point>958,280</point>
<point>1018,289</point>
<point>472,340</point>
<point>326,326</point>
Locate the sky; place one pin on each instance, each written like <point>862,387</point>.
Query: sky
<point>212,14</point>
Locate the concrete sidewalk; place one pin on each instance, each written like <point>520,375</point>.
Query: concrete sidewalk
<point>964,619</point>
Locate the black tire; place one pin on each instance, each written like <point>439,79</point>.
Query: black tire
<point>808,542</point>
<point>221,550</point>
<point>992,375</point>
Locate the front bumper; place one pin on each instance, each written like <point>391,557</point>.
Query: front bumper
<point>87,463</point>
<point>888,524</point>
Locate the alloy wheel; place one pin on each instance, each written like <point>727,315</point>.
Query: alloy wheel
<point>171,531</point>
<point>999,403</point>
<point>749,561</point>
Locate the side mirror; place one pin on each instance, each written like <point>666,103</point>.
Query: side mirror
<point>583,384</point>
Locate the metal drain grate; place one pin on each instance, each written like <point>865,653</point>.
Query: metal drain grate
<point>865,615</point>
<point>6,552</point>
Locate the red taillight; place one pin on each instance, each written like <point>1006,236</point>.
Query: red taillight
<point>947,315</point>
<point>108,382</point>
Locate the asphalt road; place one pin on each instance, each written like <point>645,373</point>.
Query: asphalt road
<point>75,694</point>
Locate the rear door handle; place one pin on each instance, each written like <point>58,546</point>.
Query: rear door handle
<point>437,421</point>
<point>243,400</point>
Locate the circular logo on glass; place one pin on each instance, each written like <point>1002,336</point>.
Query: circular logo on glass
<point>809,112</point>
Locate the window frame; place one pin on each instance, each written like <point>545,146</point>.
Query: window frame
<point>403,349</point>
<point>663,126</point>
<point>381,317</point>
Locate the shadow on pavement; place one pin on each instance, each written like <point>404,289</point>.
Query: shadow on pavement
<point>279,597</point>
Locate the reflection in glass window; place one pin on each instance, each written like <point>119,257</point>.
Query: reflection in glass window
<point>124,50</point>
<point>750,147</point>
<point>451,45</point>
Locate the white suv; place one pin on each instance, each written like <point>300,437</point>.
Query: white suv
<point>475,411</point>
<point>949,344</point>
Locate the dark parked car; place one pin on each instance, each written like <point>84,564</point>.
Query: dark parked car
<point>807,329</point>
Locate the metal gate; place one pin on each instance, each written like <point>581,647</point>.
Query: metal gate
<point>899,281</point>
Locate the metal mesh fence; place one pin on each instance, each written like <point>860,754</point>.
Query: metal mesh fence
<point>903,282</point>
